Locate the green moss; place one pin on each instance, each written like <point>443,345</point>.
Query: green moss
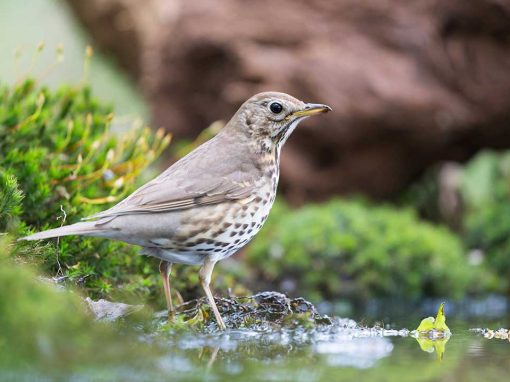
<point>10,202</point>
<point>355,249</point>
<point>59,163</point>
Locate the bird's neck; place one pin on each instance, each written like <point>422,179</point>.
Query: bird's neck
<point>261,149</point>
<point>269,163</point>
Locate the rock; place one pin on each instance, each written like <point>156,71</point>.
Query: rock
<point>105,310</point>
<point>263,310</point>
<point>411,83</point>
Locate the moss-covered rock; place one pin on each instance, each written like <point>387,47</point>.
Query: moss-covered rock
<point>263,311</point>
<point>59,163</point>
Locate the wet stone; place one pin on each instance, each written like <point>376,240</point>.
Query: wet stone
<point>104,310</point>
<point>263,310</point>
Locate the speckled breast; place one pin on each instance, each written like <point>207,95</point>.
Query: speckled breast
<point>219,231</point>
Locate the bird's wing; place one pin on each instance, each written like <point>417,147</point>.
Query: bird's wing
<point>161,197</point>
<point>195,180</point>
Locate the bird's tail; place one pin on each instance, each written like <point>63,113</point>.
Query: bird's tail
<point>82,228</point>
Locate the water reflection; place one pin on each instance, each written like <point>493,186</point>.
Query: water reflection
<point>338,346</point>
<point>338,352</point>
<point>429,345</point>
<point>360,353</point>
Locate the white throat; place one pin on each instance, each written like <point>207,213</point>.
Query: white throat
<point>288,131</point>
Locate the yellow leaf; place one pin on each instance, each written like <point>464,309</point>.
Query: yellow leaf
<point>197,319</point>
<point>426,325</point>
<point>440,323</point>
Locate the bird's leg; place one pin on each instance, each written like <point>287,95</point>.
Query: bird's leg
<point>205,279</point>
<point>214,355</point>
<point>164,269</point>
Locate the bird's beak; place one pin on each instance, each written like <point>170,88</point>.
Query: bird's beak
<point>311,109</point>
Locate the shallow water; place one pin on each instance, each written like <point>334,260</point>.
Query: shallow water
<point>343,351</point>
<point>340,352</point>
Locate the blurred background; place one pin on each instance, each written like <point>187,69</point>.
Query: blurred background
<point>411,85</point>
<point>410,171</point>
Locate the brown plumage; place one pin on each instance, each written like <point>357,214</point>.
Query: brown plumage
<point>209,204</point>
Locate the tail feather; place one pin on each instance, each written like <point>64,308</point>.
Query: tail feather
<point>82,228</point>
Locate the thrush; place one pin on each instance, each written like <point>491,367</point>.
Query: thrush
<point>210,203</point>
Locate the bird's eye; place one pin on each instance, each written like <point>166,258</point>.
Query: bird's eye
<point>276,107</point>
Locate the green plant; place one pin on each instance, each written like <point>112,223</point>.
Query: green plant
<point>58,163</point>
<point>10,202</point>
<point>485,189</point>
<point>353,248</point>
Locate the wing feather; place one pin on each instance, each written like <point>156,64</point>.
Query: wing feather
<point>198,179</point>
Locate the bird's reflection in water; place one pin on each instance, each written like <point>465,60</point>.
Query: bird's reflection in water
<point>212,358</point>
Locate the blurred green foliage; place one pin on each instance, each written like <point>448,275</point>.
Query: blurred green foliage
<point>56,155</point>
<point>48,333</point>
<point>356,249</point>
<point>485,190</point>
<point>482,216</point>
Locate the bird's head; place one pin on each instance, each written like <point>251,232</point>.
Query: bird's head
<point>271,117</point>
